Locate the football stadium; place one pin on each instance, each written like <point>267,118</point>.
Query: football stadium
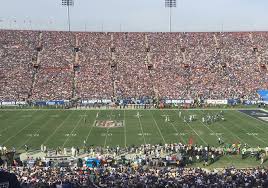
<point>135,105</point>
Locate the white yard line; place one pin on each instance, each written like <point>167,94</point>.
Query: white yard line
<point>209,128</point>
<point>125,128</point>
<point>234,135</point>
<point>38,130</point>
<point>194,131</point>
<point>106,136</point>
<point>142,132</point>
<point>247,131</point>
<point>59,126</point>
<point>105,141</point>
<point>27,125</point>
<point>158,128</point>
<point>255,119</point>
<point>90,130</point>
<point>77,124</point>
<point>181,137</point>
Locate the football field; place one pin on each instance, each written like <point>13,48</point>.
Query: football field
<point>67,128</point>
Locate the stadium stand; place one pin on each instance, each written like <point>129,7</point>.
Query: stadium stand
<point>65,65</point>
<point>144,168</point>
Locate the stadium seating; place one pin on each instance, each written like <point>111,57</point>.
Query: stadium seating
<point>44,65</point>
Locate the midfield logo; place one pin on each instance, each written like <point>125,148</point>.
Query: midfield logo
<point>109,123</point>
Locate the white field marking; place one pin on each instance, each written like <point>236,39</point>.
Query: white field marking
<point>165,115</point>
<point>36,132</point>
<point>90,130</point>
<point>59,126</point>
<point>144,134</point>
<point>209,129</point>
<point>194,131</point>
<point>27,125</point>
<point>32,135</point>
<point>182,134</point>
<point>255,119</point>
<point>105,141</point>
<point>104,134</point>
<point>158,128</point>
<point>125,129</point>
<point>66,140</point>
<point>71,135</point>
<point>177,132</point>
<point>246,130</point>
<point>253,134</point>
<point>234,135</point>
<point>141,130</point>
<point>263,118</point>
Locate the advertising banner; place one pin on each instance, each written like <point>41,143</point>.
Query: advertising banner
<point>212,101</point>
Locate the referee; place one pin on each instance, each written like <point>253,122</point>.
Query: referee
<point>8,180</point>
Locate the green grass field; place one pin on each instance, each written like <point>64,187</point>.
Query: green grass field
<point>67,128</point>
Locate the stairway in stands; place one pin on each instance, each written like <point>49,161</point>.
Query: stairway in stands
<point>149,65</point>
<point>36,64</point>
<point>262,64</point>
<point>76,68</point>
<point>113,68</point>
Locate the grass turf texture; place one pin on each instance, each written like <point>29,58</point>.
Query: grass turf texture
<point>67,128</point>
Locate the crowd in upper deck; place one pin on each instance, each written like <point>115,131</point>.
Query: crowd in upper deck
<point>47,65</point>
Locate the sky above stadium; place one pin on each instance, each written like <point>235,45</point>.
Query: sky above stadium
<point>136,15</point>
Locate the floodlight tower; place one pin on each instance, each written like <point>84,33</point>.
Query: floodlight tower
<point>170,4</point>
<point>68,3</point>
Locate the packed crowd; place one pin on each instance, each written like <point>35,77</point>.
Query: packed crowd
<point>54,79</point>
<point>143,166</point>
<point>125,176</point>
<point>16,52</point>
<point>125,65</point>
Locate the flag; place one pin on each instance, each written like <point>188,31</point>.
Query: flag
<point>190,141</point>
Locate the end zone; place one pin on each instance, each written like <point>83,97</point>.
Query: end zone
<point>257,114</point>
